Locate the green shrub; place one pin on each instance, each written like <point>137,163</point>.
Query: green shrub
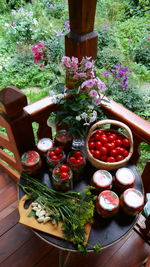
<point>142,52</point>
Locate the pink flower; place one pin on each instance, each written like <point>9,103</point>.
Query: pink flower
<point>100,84</point>
<point>129,40</point>
<point>66,61</point>
<point>93,93</point>
<point>148,37</point>
<point>89,83</point>
<point>40,45</point>
<point>89,65</point>
<point>97,101</point>
<point>80,75</point>
<point>42,66</point>
<point>37,56</point>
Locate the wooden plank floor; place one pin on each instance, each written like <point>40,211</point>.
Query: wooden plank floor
<point>20,247</point>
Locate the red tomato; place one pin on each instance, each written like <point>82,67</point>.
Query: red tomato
<point>114,152</point>
<point>126,142</point>
<point>111,137</point>
<point>109,145</point>
<point>119,158</point>
<point>91,145</point>
<point>55,158</point>
<point>126,153</point>
<point>56,171</point>
<point>118,149</point>
<point>97,137</point>
<point>64,175</point>
<point>104,150</point>
<point>77,154</point>
<point>97,154</point>
<point>64,168</point>
<point>81,159</point>
<point>92,151</point>
<point>51,154</point>
<point>100,132</point>
<point>111,159</point>
<point>98,145</point>
<point>118,142</point>
<point>78,162</point>
<point>57,150</point>
<point>103,139</point>
<point>72,159</point>
<point>122,151</point>
<point>60,156</point>
<point>103,158</point>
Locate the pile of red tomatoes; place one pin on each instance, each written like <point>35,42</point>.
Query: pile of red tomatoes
<point>109,146</point>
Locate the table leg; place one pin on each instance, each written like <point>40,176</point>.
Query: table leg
<point>61,263</point>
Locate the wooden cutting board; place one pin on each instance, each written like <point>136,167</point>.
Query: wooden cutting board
<point>48,227</point>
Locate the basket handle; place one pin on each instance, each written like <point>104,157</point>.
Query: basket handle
<point>114,122</point>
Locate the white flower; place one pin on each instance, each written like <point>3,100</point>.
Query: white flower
<point>86,123</point>
<point>90,107</point>
<point>94,113</point>
<point>84,115</point>
<point>78,118</point>
<point>54,99</point>
<point>60,96</point>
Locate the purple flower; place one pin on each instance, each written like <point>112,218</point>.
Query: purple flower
<point>97,101</point>
<point>58,33</point>
<point>105,73</point>
<point>42,66</point>
<point>93,93</point>
<point>117,66</point>
<point>104,26</point>
<point>148,37</point>
<point>67,25</point>
<point>89,65</point>
<point>51,6</point>
<point>89,83</point>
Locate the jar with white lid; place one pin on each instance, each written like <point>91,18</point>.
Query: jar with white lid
<point>102,180</point>
<point>132,201</point>
<point>124,179</point>
<point>43,145</point>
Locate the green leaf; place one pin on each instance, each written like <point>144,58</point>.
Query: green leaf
<point>97,248</point>
<point>32,213</point>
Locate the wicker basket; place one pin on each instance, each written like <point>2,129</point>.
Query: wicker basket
<point>107,165</point>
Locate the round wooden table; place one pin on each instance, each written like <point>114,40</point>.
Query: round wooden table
<point>106,232</point>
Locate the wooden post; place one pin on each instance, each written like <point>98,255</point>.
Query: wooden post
<point>82,40</point>
<point>20,130</point>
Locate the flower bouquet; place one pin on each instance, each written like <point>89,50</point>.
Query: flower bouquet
<point>81,103</point>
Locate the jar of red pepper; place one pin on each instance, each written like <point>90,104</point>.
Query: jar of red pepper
<point>31,162</point>
<point>107,203</point>
<point>76,161</point>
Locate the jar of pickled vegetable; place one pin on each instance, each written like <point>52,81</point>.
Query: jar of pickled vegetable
<point>63,139</point>
<point>77,162</point>
<point>62,178</point>
<point>55,156</point>
<point>107,203</point>
<point>44,145</point>
<point>102,180</point>
<point>124,179</point>
<point>132,201</point>
<point>31,162</point>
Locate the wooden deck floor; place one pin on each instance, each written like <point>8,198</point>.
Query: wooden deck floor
<point>20,247</point>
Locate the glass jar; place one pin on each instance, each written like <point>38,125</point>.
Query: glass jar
<point>77,162</point>
<point>62,178</point>
<point>107,204</point>
<point>132,201</point>
<point>44,145</point>
<point>55,156</point>
<point>63,139</point>
<point>102,180</point>
<point>31,162</point>
<point>124,179</point>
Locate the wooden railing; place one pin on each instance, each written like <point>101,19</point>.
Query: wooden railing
<point>17,118</point>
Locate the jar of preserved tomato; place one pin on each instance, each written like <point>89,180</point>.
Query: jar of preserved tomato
<point>132,201</point>
<point>124,179</point>
<point>31,162</point>
<point>107,203</point>
<point>55,156</point>
<point>62,178</point>
<point>44,145</point>
<point>102,180</point>
<point>76,161</point>
<point>63,139</point>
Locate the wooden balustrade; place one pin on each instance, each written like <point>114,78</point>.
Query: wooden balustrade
<point>18,125</point>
